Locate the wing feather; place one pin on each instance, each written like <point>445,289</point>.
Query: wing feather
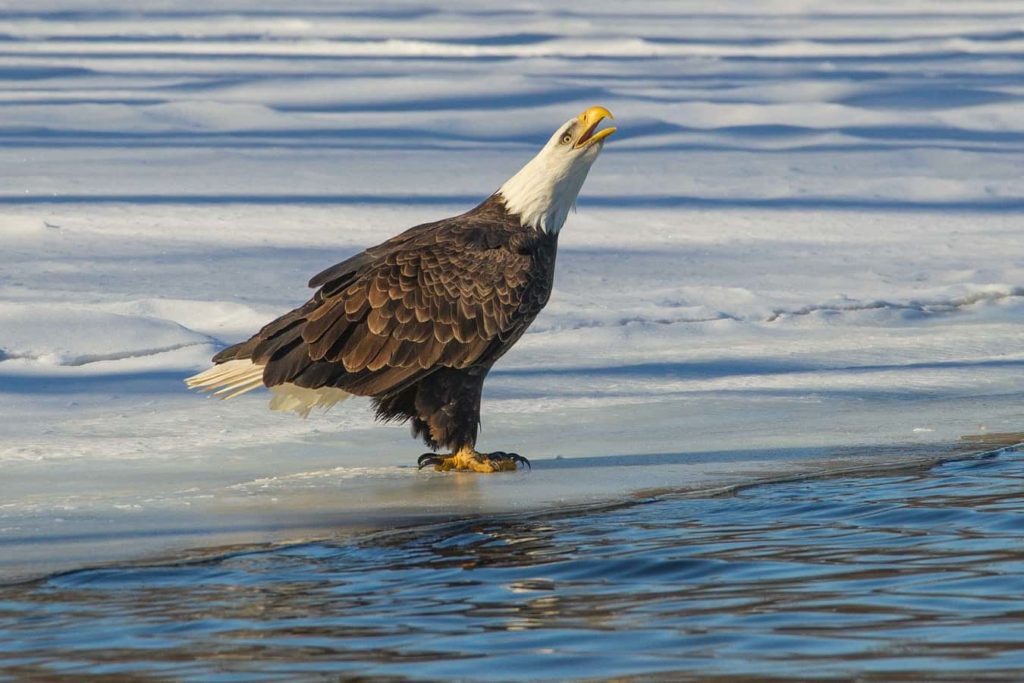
<point>331,319</point>
<point>380,321</point>
<point>361,350</point>
<point>385,355</point>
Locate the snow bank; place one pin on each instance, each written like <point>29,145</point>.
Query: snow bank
<point>50,335</point>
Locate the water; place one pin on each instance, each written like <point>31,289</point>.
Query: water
<point>906,575</point>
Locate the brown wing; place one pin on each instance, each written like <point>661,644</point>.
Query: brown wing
<point>448,294</point>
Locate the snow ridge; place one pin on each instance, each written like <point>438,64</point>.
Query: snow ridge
<point>931,307</point>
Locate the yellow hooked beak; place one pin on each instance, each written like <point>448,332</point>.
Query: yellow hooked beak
<point>590,118</point>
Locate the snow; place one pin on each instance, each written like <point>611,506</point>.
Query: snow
<point>800,252</point>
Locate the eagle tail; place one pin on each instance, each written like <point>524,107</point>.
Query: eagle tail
<point>229,379</point>
<point>302,400</point>
<point>236,377</point>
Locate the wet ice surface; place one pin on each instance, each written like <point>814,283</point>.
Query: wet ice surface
<point>911,574</point>
<point>800,250</point>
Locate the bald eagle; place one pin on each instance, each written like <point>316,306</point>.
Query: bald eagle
<point>416,322</point>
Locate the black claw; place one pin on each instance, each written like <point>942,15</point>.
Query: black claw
<point>514,457</point>
<point>428,459</point>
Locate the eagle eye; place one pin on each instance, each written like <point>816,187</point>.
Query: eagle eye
<point>567,138</point>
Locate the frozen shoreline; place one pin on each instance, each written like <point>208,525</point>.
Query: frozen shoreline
<point>336,503</point>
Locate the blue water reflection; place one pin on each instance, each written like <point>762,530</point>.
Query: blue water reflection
<point>915,574</point>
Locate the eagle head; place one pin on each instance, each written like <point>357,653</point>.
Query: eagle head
<point>544,190</point>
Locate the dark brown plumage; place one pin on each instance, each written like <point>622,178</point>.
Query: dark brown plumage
<point>416,322</point>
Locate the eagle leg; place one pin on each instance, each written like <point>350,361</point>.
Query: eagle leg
<point>469,460</point>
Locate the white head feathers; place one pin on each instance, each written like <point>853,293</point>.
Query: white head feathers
<point>544,190</point>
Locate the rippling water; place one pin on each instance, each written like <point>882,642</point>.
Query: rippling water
<point>909,575</point>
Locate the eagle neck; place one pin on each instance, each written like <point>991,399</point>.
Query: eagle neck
<point>542,196</point>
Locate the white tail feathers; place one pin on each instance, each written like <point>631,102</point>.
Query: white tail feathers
<point>229,379</point>
<point>236,377</point>
<point>302,400</point>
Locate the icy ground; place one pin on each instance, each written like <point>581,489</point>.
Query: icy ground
<point>802,250</point>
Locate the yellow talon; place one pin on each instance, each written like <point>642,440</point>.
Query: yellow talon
<point>469,460</point>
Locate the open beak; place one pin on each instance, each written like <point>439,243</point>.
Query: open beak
<point>590,119</point>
